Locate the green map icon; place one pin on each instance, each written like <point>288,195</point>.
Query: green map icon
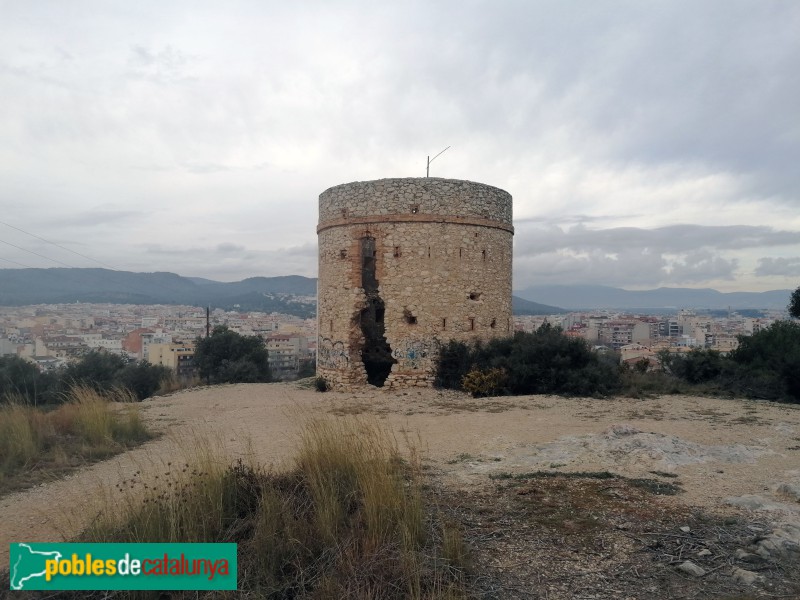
<point>27,564</point>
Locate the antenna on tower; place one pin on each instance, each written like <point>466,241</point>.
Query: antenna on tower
<point>430,160</point>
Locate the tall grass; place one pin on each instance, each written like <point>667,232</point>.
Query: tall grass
<point>173,383</point>
<point>346,521</point>
<point>20,439</point>
<point>35,443</point>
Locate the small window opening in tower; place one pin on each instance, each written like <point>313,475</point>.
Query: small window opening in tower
<point>414,209</point>
<point>342,253</point>
<point>344,212</point>
<point>483,254</point>
<point>474,296</point>
<point>429,251</point>
<point>472,323</point>
<point>397,253</point>
<point>476,234</point>
<point>444,323</point>
<point>460,252</point>
<point>493,324</point>
<point>409,317</point>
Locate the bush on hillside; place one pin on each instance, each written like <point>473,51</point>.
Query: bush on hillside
<point>104,372</point>
<point>768,362</point>
<point>23,380</point>
<point>696,366</point>
<point>543,362</point>
<point>99,370</point>
<point>766,365</point>
<point>228,357</point>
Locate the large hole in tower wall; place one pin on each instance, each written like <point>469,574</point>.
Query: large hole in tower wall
<point>376,353</point>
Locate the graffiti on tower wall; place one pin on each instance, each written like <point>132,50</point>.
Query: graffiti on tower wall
<point>413,354</point>
<point>332,355</point>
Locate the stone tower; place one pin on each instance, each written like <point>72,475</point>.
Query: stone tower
<point>404,266</point>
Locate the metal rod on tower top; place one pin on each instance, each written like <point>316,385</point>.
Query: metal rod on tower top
<point>430,160</point>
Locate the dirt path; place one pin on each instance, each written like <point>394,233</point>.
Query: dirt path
<point>718,448</point>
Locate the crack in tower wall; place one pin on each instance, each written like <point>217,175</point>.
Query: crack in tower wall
<point>376,354</point>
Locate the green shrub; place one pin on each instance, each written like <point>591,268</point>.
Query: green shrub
<point>768,362</point>
<point>321,384</point>
<point>228,357</point>
<point>21,379</point>
<point>766,365</point>
<point>488,382</point>
<point>543,362</point>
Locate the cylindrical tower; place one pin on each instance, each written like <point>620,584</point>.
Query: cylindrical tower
<point>404,266</point>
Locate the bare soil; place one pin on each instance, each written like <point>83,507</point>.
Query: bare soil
<point>524,476</point>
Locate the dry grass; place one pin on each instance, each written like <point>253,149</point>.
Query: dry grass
<point>36,444</point>
<point>346,521</point>
<point>173,384</point>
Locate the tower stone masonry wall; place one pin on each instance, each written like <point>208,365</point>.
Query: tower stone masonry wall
<point>405,265</point>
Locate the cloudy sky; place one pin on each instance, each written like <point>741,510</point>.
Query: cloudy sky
<point>645,143</point>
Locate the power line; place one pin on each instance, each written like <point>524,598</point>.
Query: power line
<point>37,254</point>
<point>58,245</point>
<point>13,262</point>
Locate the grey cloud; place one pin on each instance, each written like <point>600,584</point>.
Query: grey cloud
<point>164,66</point>
<point>231,266</point>
<point>228,248</point>
<point>95,218</point>
<point>210,168</point>
<point>672,238</point>
<point>679,254</point>
<point>696,267</point>
<point>204,168</point>
<point>306,250</point>
<point>631,268</point>
<point>786,267</point>
<point>573,219</point>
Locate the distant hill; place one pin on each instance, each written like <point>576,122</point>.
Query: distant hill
<point>266,294</point>
<point>575,297</point>
<point>54,286</point>
<point>520,306</point>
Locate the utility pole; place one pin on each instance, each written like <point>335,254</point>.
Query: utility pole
<point>208,330</point>
<point>430,160</point>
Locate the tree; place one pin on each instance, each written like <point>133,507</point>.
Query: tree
<point>543,362</point>
<point>142,378</point>
<point>22,379</point>
<point>794,304</point>
<point>97,369</point>
<point>769,362</point>
<point>104,371</point>
<point>228,357</point>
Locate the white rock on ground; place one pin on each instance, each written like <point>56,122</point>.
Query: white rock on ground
<point>691,568</point>
<point>746,577</point>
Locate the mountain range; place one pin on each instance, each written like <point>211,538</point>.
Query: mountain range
<point>293,294</point>
<point>575,297</point>
<point>63,286</point>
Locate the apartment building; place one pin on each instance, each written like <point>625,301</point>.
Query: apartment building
<point>178,357</point>
<point>285,354</point>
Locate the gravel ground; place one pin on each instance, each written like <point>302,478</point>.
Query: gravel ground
<point>734,458</point>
